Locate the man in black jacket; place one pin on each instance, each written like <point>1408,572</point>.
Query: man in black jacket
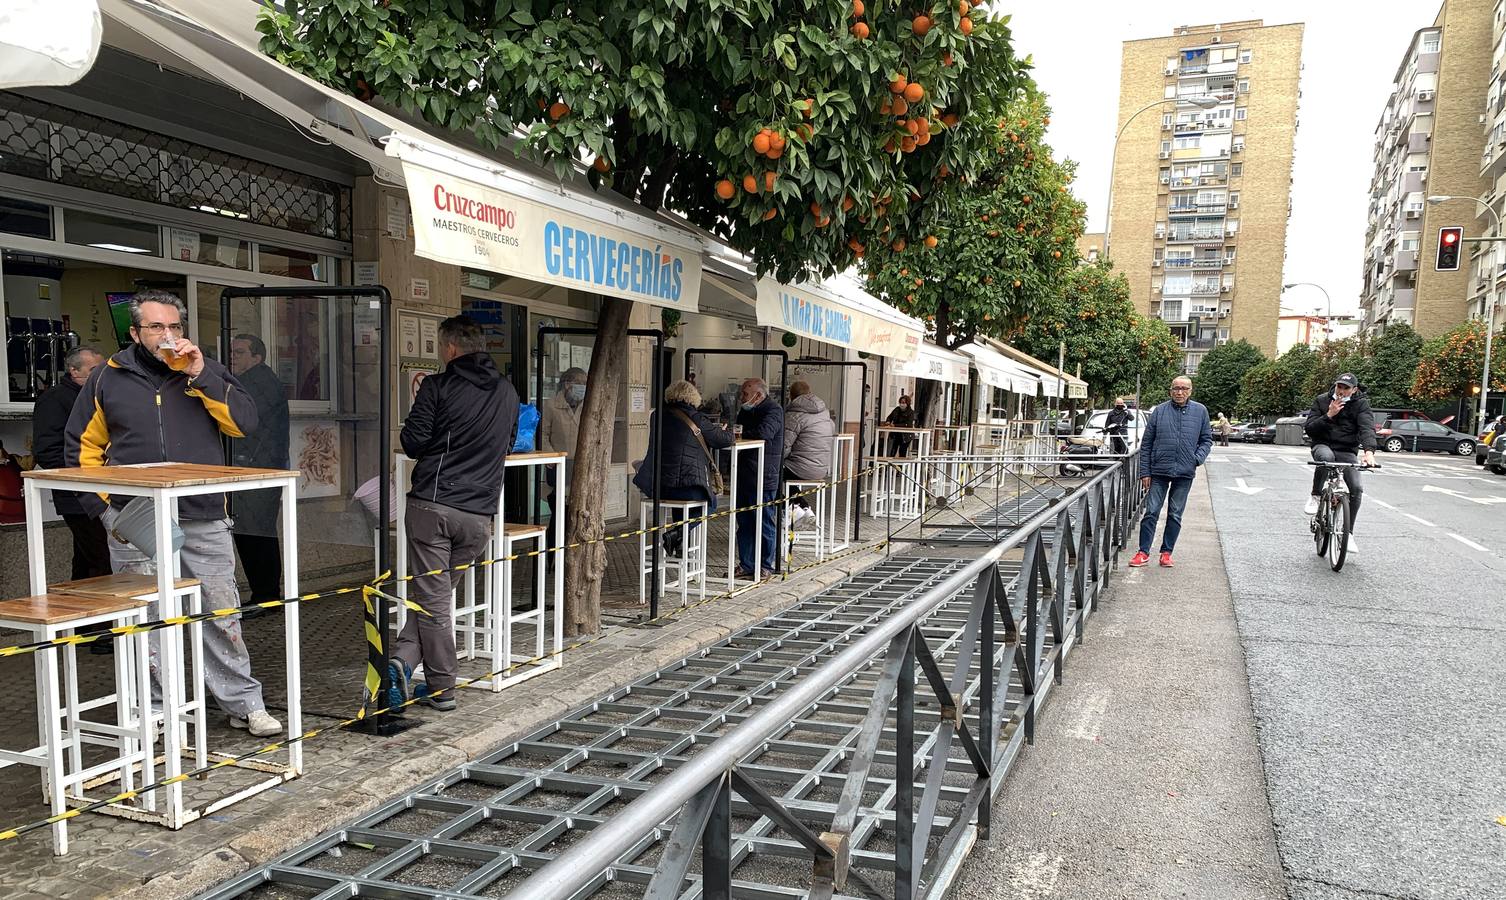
<point>91,553</point>
<point>1340,424</point>
<point>1116,426</point>
<point>458,433</point>
<point>256,511</point>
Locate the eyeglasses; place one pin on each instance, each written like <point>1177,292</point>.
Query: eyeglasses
<point>159,327</point>
<point>1178,390</point>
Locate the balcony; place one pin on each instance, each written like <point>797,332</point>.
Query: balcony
<point>1185,208</point>
<point>1406,260</point>
<point>1194,263</point>
<point>1197,235</point>
<point>1205,290</point>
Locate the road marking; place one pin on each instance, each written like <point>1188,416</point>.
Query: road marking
<point>1088,719</point>
<point>1483,501</point>
<point>1420,520</point>
<point>1034,877</point>
<point>1469,543</point>
<point>1379,502</point>
<point>1244,488</point>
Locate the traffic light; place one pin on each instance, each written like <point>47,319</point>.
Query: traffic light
<point>1448,248</point>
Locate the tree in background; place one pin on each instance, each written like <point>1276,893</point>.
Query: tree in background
<point>1220,373</point>
<point>1332,359</point>
<point>1394,358</point>
<point>1092,313</point>
<point>1449,365</point>
<point>797,131</point>
<point>1278,387</point>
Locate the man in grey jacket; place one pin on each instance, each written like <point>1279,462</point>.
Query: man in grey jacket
<point>808,433</point>
<point>1177,440</point>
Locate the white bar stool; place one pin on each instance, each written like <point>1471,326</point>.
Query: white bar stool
<point>690,565</point>
<point>814,536</point>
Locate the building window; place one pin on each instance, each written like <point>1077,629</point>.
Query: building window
<point>110,233</point>
<point>1241,114</point>
<point>26,218</point>
<point>1166,121</point>
<point>1432,41</point>
<point>1236,169</point>
<point>1244,85</point>
<point>1244,57</point>
<point>1409,243</point>
<point>1228,254</point>
<point>187,245</point>
<point>1158,253</point>
<point>292,263</point>
<point>1166,146</point>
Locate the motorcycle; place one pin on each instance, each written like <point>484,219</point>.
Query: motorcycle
<point>1079,447</point>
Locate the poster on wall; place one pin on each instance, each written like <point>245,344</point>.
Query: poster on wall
<point>314,449</point>
<point>407,336</point>
<point>413,375</point>
<point>428,330</point>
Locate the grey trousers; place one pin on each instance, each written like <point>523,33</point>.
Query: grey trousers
<point>209,555</point>
<point>439,537</point>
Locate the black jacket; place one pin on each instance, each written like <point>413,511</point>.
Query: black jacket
<point>901,417</point>
<point>1117,421</point>
<point>268,447</point>
<point>134,409</point>
<point>459,432</point>
<point>49,422</point>
<point>685,463</point>
<point>1353,428</point>
<point>764,422</point>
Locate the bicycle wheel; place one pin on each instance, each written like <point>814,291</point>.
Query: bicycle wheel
<point>1320,527</point>
<point>1338,542</point>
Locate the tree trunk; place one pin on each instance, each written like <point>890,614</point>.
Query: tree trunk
<point>585,520</point>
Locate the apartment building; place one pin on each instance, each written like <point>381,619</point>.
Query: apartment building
<point>1487,262</point>
<point>1090,247</point>
<point>1202,178</point>
<point>1425,145</point>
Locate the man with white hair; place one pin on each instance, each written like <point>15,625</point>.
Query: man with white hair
<point>761,419</point>
<point>91,551</point>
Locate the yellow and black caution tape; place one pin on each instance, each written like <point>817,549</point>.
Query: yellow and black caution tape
<point>313,733</point>
<point>372,589</point>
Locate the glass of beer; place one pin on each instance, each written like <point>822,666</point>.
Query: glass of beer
<point>168,350</point>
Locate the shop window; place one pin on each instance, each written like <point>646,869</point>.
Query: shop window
<point>291,263</point>
<point>23,217</point>
<point>110,233</point>
<point>208,249</point>
<point>300,347</point>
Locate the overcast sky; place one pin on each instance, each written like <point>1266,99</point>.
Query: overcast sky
<point>1349,60</point>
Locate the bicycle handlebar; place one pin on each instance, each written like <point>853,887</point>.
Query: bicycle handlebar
<point>1342,465</point>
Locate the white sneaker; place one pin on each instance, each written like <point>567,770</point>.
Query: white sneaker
<point>259,723</point>
<point>1311,508</point>
<point>1353,547</point>
<point>801,516</point>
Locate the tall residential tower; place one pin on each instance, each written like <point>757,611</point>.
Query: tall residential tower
<point>1202,179</point>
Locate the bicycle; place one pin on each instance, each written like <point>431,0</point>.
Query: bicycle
<point>1331,524</point>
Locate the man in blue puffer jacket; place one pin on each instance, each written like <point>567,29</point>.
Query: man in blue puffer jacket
<point>1177,440</point>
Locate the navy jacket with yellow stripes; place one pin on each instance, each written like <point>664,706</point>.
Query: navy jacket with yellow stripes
<point>134,409</point>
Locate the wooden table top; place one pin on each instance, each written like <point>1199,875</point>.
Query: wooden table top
<point>534,456</point>
<point>165,475</point>
<point>55,609</point>
<point>904,430</point>
<point>122,585</point>
<point>748,442</point>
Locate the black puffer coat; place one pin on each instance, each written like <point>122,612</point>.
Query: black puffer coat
<point>1352,429</point>
<point>685,463</point>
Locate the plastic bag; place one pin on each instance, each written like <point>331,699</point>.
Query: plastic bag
<point>528,428</point>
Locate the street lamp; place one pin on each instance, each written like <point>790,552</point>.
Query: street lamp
<point>1201,101</point>
<point>1328,319</point>
<point>1490,317</point>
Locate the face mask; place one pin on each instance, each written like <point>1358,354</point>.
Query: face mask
<point>749,406</point>
<point>574,394</point>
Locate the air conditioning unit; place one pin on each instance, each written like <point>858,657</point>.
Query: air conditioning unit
<point>1234,204</point>
<point>1225,288</point>
<point>1223,151</point>
<point>1156,288</point>
<point>1165,126</point>
<point>1414,213</point>
<point>1155,264</point>
<point>1166,179</point>
<point>1165,154</point>
<point>1424,95</point>
<point>1223,314</point>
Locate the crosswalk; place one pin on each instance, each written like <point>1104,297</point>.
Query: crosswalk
<point>1391,465</point>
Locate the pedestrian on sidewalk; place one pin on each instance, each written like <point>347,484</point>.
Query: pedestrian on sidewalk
<point>1116,426</point>
<point>458,433</point>
<point>1177,440</point>
<point>161,400</point>
<point>761,419</point>
<point>1223,430</point>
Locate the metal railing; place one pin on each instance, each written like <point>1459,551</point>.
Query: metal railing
<point>1018,633</point>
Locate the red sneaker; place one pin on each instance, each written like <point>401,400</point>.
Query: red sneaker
<point>1139,560</point>
<point>1166,562</point>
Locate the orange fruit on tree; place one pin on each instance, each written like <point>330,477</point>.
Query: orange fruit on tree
<point>815,209</point>
<point>949,120</point>
<point>1017,282</point>
<point>904,272</point>
<point>898,85</point>
<point>857,7</point>
<point>908,144</point>
<point>558,110</point>
<point>750,184</point>
<point>889,145</point>
<point>810,107</point>
<point>761,142</point>
<point>1056,254</point>
<point>962,7</point>
<point>923,138</point>
<point>768,181</point>
<point>920,282</point>
<point>914,91</point>
<point>899,107</point>
<point>966,26</point>
<point>805,131</point>
<point>776,153</point>
<point>860,31</point>
<point>945,170</point>
<point>920,25</point>
<point>888,108</point>
<point>725,190</point>
<point>847,203</point>
<point>1025,199</point>
<point>770,214</point>
<point>602,164</point>
<point>1045,120</point>
<point>898,246</point>
<point>984,217</point>
<point>823,221</point>
<point>931,241</point>
<point>854,243</point>
<point>776,141</point>
<point>913,126</point>
<point>946,58</point>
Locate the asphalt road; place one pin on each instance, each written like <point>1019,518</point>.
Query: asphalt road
<point>1379,691</point>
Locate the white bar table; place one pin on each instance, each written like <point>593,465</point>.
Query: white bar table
<point>890,485</point>
<point>165,484</point>
<point>843,472</point>
<point>731,582</point>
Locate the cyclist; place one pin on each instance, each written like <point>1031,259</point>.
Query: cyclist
<point>1341,426</point>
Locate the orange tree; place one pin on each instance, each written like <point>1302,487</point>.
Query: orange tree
<point>1449,365</point>
<point>1000,242</point>
<point>798,131</point>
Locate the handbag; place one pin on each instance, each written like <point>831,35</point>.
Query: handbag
<point>714,474</point>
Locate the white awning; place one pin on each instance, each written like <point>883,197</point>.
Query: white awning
<point>839,312</point>
<point>47,42</point>
<point>218,37</point>
<point>936,364</point>
<point>997,370</point>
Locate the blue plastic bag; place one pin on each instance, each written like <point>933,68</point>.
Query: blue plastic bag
<point>528,427</point>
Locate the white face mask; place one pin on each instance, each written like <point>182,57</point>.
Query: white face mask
<point>575,394</point>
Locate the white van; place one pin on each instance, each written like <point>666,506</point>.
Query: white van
<point>1098,420</point>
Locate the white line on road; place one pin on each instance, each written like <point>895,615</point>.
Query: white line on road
<point>1379,502</point>
<point>1469,543</point>
<point>1420,520</point>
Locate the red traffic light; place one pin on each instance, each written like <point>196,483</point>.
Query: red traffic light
<point>1449,241</point>
<point>1451,237</point>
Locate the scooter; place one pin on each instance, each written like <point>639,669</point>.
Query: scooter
<point>1078,446</point>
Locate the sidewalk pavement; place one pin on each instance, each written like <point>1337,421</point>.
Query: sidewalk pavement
<point>1146,778</point>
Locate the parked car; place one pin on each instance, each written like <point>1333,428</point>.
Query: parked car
<point>1495,459</point>
<point>1136,426</point>
<point>1396,435</point>
<point>1487,437</point>
<point>1241,432</point>
<point>1382,416</point>
<point>1260,434</point>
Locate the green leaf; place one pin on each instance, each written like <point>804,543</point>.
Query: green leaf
<point>523,17</point>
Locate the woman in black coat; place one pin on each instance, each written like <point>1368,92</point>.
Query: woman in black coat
<point>685,473</point>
